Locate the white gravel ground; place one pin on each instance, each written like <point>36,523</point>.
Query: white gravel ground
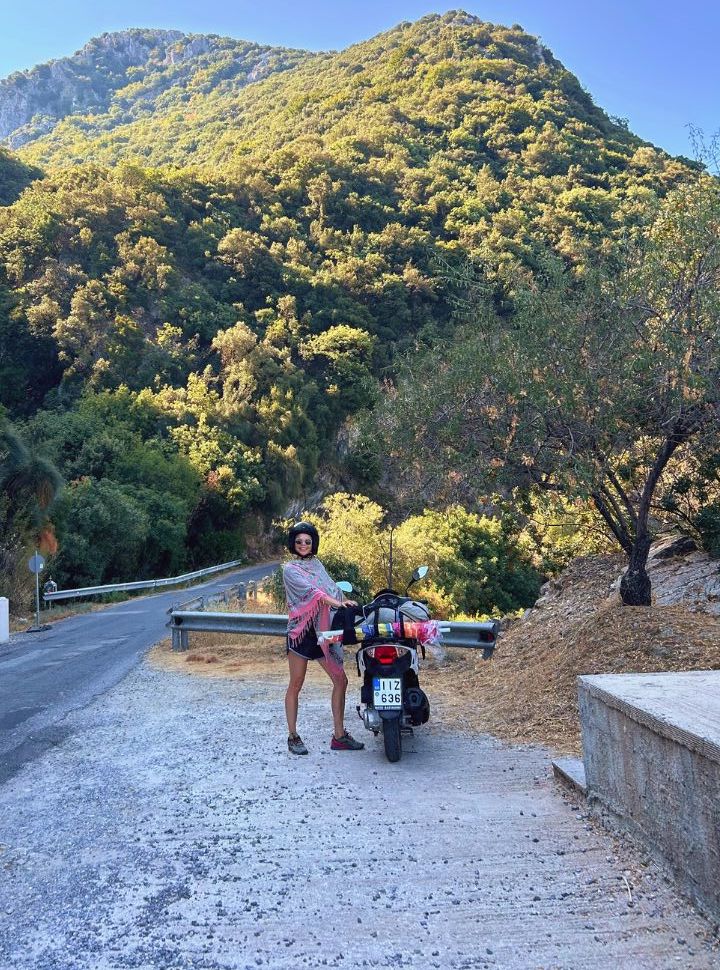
<point>173,830</point>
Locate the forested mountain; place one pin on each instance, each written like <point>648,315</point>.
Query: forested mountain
<point>120,77</point>
<point>224,257</point>
<point>14,176</point>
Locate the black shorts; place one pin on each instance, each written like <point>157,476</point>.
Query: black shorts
<point>307,646</point>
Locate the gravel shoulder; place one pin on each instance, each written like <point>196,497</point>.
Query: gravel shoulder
<point>173,830</point>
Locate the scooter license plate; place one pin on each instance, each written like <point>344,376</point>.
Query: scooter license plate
<point>387,693</point>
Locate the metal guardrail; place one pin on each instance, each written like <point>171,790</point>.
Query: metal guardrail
<point>66,594</point>
<point>472,636</point>
<point>239,591</point>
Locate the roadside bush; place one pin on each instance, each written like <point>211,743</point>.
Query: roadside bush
<point>479,565</point>
<point>17,583</point>
<point>708,526</point>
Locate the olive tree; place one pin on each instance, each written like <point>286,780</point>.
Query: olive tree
<point>588,384</point>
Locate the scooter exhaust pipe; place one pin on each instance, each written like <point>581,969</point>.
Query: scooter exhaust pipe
<point>371,719</point>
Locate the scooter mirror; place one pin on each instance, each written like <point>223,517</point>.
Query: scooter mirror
<point>420,573</point>
<point>345,586</point>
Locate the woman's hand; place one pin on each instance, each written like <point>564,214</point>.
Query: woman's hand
<point>336,604</point>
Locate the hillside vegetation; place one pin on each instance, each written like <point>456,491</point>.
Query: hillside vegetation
<point>117,78</point>
<point>14,176</point>
<point>232,246</point>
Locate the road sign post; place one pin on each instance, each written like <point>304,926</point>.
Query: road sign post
<point>36,565</point>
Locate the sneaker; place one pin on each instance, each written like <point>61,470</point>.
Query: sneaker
<point>296,745</point>
<point>346,743</point>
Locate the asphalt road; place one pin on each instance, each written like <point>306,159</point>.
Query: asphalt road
<point>45,675</point>
<point>174,831</point>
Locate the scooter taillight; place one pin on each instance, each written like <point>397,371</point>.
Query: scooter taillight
<point>386,654</point>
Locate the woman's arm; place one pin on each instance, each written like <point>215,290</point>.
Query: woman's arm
<point>336,604</point>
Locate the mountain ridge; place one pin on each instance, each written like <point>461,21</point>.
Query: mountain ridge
<point>137,61</point>
<point>214,108</point>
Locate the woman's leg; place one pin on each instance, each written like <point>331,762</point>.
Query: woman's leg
<point>298,669</point>
<point>339,682</point>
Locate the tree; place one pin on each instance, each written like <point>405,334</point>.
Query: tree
<point>477,564</point>
<point>29,486</point>
<point>14,176</point>
<point>104,530</point>
<point>29,482</point>
<point>339,358</point>
<point>590,387</point>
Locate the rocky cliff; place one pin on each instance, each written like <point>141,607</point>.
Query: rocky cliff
<point>125,72</point>
<point>681,575</point>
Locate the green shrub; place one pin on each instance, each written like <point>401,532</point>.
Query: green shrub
<point>708,526</point>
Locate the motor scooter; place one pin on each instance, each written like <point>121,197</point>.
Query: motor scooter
<point>393,634</point>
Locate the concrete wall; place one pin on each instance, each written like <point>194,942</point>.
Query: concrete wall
<point>651,748</point>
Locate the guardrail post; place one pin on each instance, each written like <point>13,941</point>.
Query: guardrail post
<point>179,638</point>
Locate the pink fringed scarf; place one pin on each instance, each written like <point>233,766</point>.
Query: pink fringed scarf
<point>306,583</point>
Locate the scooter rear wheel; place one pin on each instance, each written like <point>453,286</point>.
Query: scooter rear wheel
<point>392,739</point>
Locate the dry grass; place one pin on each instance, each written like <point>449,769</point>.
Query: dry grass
<point>224,655</point>
<point>527,693</point>
<point>217,655</point>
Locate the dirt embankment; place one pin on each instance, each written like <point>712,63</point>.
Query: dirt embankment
<point>527,693</point>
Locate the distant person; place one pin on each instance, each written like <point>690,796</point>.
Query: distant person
<point>50,586</point>
<point>311,596</point>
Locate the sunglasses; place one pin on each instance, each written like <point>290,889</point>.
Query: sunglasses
<point>303,542</point>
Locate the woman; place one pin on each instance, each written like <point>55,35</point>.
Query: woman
<point>311,595</point>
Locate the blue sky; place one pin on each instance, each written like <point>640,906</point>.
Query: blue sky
<point>652,63</point>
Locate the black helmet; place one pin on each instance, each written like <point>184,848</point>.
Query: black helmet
<point>308,529</point>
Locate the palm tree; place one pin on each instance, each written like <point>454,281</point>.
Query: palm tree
<point>29,483</point>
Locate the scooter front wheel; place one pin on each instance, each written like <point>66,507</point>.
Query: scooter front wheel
<point>392,739</point>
